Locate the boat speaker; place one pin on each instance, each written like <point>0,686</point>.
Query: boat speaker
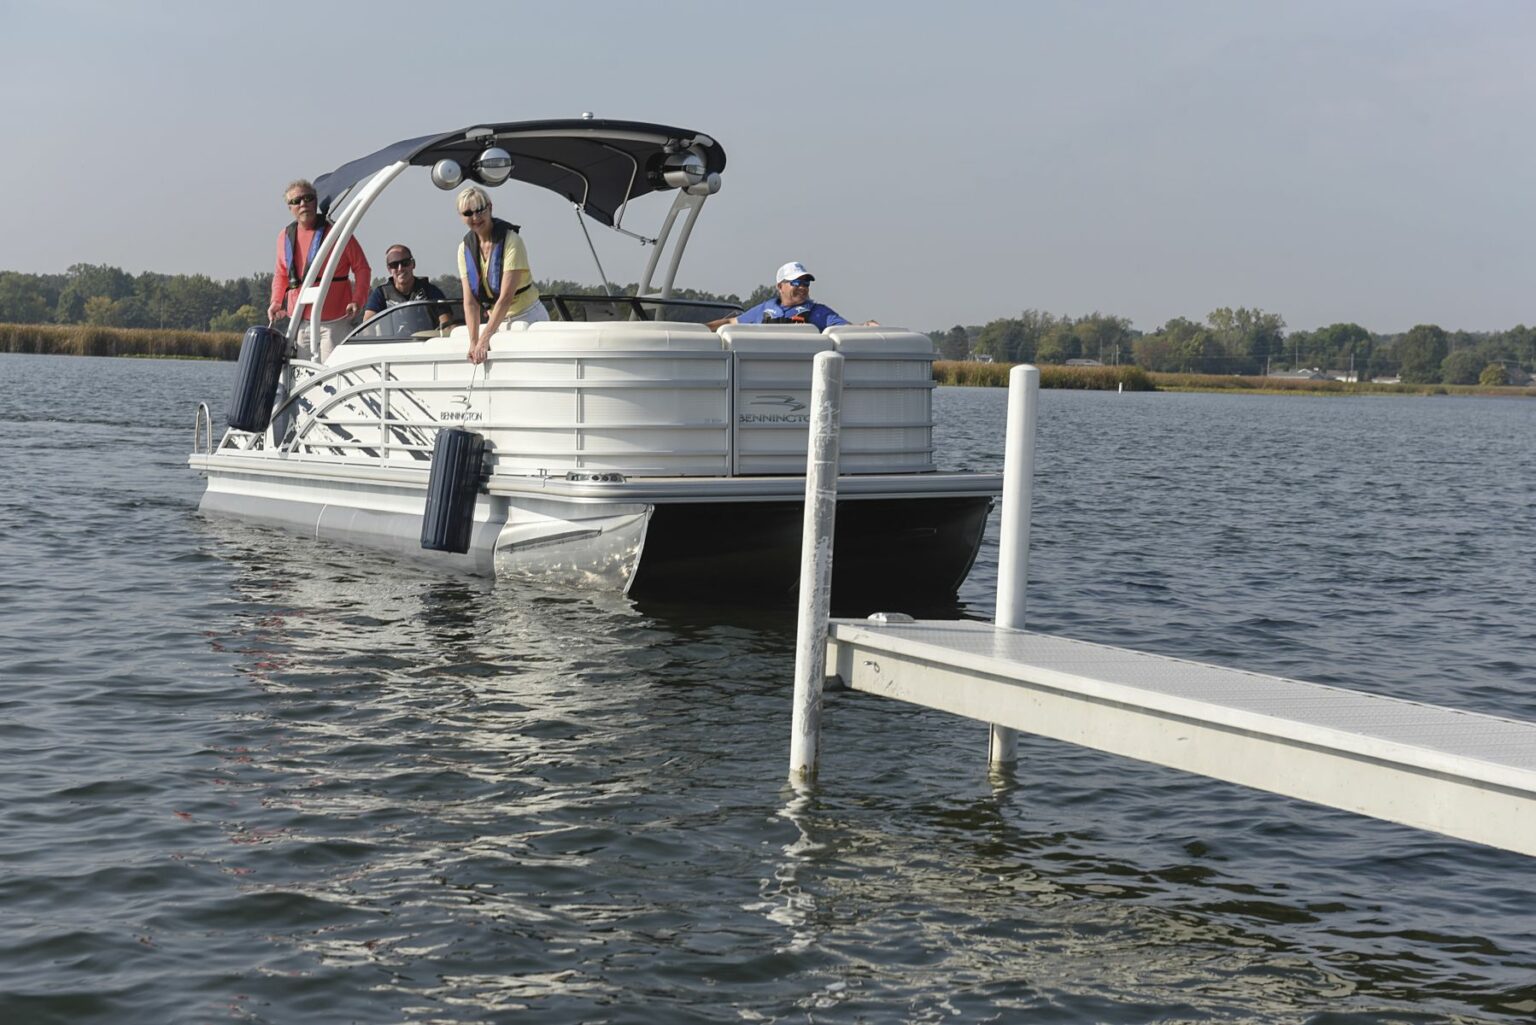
<point>457,466</point>
<point>262,353</point>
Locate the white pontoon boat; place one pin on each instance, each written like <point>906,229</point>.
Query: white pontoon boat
<point>627,445</point>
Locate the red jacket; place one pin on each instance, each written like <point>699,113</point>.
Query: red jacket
<point>353,276</point>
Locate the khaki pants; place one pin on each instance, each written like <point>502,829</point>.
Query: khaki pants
<point>332,332</point>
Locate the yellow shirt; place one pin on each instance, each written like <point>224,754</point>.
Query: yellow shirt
<point>514,256</point>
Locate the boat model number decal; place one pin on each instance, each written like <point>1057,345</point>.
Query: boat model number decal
<point>776,409</point>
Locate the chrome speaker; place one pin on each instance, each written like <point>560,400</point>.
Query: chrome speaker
<point>447,174</point>
<point>680,170</point>
<point>493,167</point>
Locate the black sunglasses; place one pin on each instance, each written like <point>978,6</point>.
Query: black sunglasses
<point>799,282</point>
<point>300,200</point>
<point>397,264</point>
<point>472,211</point>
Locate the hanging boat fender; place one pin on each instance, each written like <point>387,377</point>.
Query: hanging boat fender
<point>457,467</point>
<point>263,352</point>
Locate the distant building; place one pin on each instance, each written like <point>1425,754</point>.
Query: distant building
<point>1083,363</point>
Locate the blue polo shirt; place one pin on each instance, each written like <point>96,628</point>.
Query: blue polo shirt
<point>771,312</point>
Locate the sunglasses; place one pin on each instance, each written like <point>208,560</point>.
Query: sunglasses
<point>397,264</point>
<point>301,200</point>
<point>799,282</point>
<point>472,211</point>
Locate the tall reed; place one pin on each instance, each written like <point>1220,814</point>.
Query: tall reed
<point>86,340</point>
<point>995,375</point>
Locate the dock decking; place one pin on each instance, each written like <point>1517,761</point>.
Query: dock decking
<point>1463,774</point>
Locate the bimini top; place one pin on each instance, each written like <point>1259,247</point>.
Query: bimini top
<point>595,163</point>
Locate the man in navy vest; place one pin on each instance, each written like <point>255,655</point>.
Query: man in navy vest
<point>404,286</point>
<point>793,305</point>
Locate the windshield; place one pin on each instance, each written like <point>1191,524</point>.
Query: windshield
<point>406,321</point>
<point>629,307</point>
<point>429,318</point>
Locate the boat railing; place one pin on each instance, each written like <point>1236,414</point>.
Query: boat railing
<point>202,419</point>
<point>383,411</point>
<point>643,399</point>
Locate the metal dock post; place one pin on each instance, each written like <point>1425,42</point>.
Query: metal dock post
<point>1013,532</point>
<point>816,564</point>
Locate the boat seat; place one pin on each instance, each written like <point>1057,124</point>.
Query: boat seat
<point>854,340</point>
<point>778,339</point>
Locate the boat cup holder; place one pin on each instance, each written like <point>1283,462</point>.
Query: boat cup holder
<point>588,477</point>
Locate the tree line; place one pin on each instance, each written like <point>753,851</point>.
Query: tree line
<point>1250,342</point>
<point>1227,341</point>
<point>104,296</point>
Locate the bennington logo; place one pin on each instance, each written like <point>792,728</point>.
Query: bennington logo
<point>790,411</point>
<point>465,415</point>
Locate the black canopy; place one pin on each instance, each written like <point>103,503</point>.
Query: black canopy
<point>600,163</point>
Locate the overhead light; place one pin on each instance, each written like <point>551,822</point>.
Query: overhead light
<point>447,174</point>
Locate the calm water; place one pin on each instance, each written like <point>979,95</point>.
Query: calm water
<point>247,777</point>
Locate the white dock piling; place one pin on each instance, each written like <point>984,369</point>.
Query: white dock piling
<point>1013,533</point>
<point>816,564</point>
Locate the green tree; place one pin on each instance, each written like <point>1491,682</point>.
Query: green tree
<point>1059,344</point>
<point>23,299</point>
<point>1342,347</point>
<point>190,301</point>
<point>1180,346</point>
<point>1462,367</point>
<point>237,320</point>
<point>1013,339</point>
<point>83,281</point>
<point>1103,337</point>
<point>955,344</point>
<point>101,311</point>
<point>1247,338</point>
<point>1420,353</point>
<point>1494,375</point>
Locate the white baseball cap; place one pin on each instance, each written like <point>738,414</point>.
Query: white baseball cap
<point>792,270</point>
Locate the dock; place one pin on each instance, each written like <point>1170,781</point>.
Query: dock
<point>1461,774</point>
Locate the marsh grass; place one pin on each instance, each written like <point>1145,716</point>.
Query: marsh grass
<point>995,375</point>
<point>1294,386</point>
<point>85,340</point>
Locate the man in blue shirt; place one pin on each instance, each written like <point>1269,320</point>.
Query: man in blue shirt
<point>793,305</point>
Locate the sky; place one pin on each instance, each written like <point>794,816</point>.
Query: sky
<point>1349,160</point>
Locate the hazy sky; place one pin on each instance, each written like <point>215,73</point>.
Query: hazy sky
<point>950,163</point>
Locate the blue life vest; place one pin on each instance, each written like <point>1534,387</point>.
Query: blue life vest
<point>800,314</point>
<point>487,290</point>
<point>291,241</point>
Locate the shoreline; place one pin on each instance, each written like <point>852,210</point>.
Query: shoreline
<point>148,343</point>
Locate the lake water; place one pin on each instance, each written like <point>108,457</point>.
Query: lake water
<point>248,777</point>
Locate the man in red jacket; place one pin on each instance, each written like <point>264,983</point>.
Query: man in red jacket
<point>297,246</point>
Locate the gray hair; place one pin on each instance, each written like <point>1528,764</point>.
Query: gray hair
<point>303,184</point>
